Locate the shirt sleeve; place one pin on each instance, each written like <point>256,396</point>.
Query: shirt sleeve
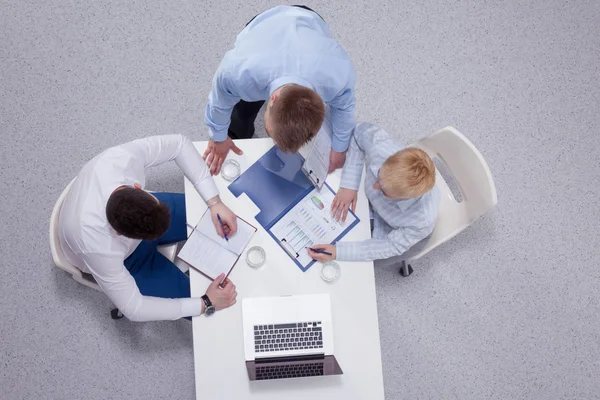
<point>156,150</point>
<point>121,289</point>
<point>221,100</point>
<point>395,243</point>
<point>360,143</point>
<point>342,115</point>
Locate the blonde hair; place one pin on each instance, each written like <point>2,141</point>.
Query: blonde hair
<point>297,116</point>
<point>408,174</point>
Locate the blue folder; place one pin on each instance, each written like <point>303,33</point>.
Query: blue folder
<point>276,183</point>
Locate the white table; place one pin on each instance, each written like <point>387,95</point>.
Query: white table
<point>220,368</point>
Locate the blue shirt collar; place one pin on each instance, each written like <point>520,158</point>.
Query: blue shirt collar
<point>403,205</point>
<point>286,80</point>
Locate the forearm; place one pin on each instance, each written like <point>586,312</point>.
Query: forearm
<point>217,119</point>
<point>368,250</point>
<point>352,171</point>
<point>221,100</point>
<point>194,168</point>
<point>160,309</point>
<point>342,122</point>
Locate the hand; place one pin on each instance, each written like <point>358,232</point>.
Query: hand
<point>227,216</point>
<point>330,248</point>
<point>216,152</point>
<point>221,297</point>
<point>336,160</point>
<point>344,199</point>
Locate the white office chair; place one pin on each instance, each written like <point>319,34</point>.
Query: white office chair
<point>61,262</point>
<point>474,180</point>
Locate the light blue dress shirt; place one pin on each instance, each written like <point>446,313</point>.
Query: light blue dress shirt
<point>284,45</point>
<point>398,224</point>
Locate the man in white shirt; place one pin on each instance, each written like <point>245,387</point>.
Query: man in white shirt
<point>110,227</point>
<point>400,186</point>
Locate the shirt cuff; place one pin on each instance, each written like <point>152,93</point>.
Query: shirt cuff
<point>191,307</point>
<point>217,136</point>
<point>349,184</point>
<point>207,188</point>
<point>339,145</point>
<point>343,251</point>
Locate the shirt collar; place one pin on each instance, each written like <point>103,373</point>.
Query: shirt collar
<point>286,80</point>
<point>403,205</point>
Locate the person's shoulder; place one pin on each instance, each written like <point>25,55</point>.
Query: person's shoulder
<point>362,126</point>
<point>430,204</point>
<point>377,133</point>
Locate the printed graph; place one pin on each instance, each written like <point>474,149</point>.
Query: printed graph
<point>296,237</point>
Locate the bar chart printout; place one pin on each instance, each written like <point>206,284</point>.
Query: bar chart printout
<point>309,222</point>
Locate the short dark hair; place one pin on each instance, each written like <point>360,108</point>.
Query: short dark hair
<point>297,116</point>
<point>137,215</point>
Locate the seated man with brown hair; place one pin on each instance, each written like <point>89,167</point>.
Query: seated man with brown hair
<point>111,228</point>
<point>400,186</point>
<point>285,55</point>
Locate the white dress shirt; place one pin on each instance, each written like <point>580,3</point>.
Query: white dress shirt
<point>92,245</point>
<point>398,224</point>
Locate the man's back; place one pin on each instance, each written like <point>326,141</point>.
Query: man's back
<point>83,226</point>
<point>288,42</point>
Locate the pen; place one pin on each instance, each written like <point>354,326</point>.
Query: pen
<point>222,284</point>
<point>321,251</point>
<point>222,226</point>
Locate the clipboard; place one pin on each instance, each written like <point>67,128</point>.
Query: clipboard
<point>316,181</point>
<point>205,246</point>
<point>276,184</point>
<point>316,165</point>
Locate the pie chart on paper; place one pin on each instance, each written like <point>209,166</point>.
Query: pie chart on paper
<point>317,202</point>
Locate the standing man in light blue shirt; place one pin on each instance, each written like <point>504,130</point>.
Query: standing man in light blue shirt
<point>285,55</point>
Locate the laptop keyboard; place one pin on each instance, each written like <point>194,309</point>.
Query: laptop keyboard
<point>289,371</point>
<point>281,337</point>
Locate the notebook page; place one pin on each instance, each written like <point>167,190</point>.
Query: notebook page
<point>206,255</point>
<point>237,243</point>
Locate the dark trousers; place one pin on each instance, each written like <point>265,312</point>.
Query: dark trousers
<point>242,119</point>
<point>244,113</point>
<point>154,274</point>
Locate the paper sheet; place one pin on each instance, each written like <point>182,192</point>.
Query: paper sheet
<point>211,254</point>
<point>316,165</point>
<point>309,222</point>
<point>237,243</point>
<point>206,255</point>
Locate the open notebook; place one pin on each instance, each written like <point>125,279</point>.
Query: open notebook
<point>211,254</point>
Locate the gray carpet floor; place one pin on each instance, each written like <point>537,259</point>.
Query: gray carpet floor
<point>507,310</point>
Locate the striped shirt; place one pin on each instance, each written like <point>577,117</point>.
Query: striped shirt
<point>398,224</point>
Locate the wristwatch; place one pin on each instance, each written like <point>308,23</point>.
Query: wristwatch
<point>209,308</point>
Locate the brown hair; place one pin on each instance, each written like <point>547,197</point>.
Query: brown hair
<point>137,215</point>
<point>297,116</point>
<point>409,173</point>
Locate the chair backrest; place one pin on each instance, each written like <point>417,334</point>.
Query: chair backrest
<point>57,253</point>
<point>472,176</point>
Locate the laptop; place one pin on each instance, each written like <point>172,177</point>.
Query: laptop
<point>288,337</point>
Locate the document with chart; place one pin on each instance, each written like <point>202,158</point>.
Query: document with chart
<point>292,210</point>
<point>309,222</point>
